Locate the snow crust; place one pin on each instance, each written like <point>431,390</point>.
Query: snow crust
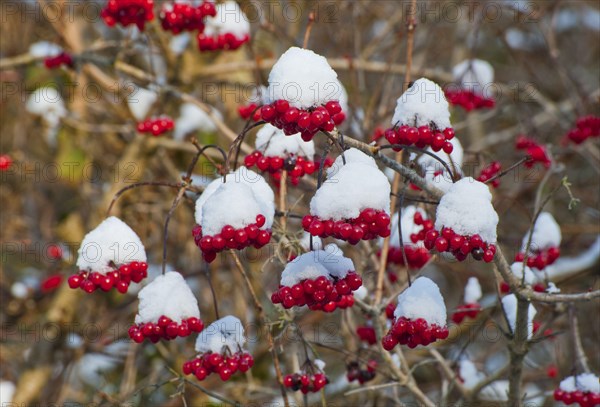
<point>509,303</point>
<point>354,187</point>
<point>235,202</point>
<point>467,208</point>
<point>422,299</point>
<point>546,233</point>
<point>167,295</point>
<point>192,118</point>
<point>305,242</point>
<point>474,74</point>
<point>47,103</point>
<point>329,263</point>
<point>422,104</point>
<point>229,19</point>
<point>517,269</point>
<point>304,79</point>
<point>45,49</point>
<point>472,291</point>
<point>227,332</point>
<point>456,156</point>
<point>408,227</point>
<point>585,382</point>
<point>140,102</point>
<point>112,241</point>
<point>271,142</point>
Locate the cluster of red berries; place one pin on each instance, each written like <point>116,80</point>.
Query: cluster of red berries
<point>405,331</point>
<point>227,41</point>
<point>469,100</point>
<point>466,311</point>
<point>537,287</point>
<point>378,133</point>
<point>541,258</point>
<point>120,278</point>
<point>535,152</point>
<point>178,17</point>
<point>305,383</point>
<point>225,366</point>
<point>5,162</point>
<point>370,224</point>
<point>165,328</point>
<point>362,374</point>
<point>127,12</point>
<point>51,283</point>
<point>61,59</point>
<point>251,110</point>
<point>319,294</point>
<point>366,334</point>
<point>588,126</point>
<point>231,238</point>
<point>421,137</point>
<point>490,172</point>
<point>460,246</point>
<point>156,126</point>
<point>587,399</point>
<point>306,122</point>
<point>416,256</point>
<point>296,166</point>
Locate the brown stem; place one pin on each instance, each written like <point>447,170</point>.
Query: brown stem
<point>282,198</point>
<point>136,185</point>
<point>311,21</point>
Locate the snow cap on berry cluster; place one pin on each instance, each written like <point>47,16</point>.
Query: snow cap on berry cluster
<point>585,382</point>
<point>304,79</point>
<point>408,227</point>
<point>272,142</point>
<point>111,242</point>
<point>227,332</point>
<point>44,49</point>
<point>356,186</point>
<point>467,209</point>
<point>317,243</point>
<point>546,233</point>
<point>235,202</point>
<point>472,291</point>
<point>509,304</point>
<point>517,269</point>
<point>329,263</point>
<point>432,167</point>
<point>192,118</point>
<point>352,155</point>
<point>229,19</point>
<point>167,295</point>
<point>140,102</point>
<point>474,75</point>
<point>469,373</point>
<point>422,104</point>
<point>422,299</point>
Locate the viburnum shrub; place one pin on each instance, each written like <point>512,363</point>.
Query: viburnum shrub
<point>311,110</point>
<point>63,58</point>
<point>167,310</point>
<point>474,76</point>
<point>352,204</point>
<point>180,16</point>
<point>532,278</point>
<point>229,28</point>
<point>220,350</point>
<point>156,126</point>
<point>221,225</point>
<point>322,280</point>
<point>275,152</point>
<point>361,372</point>
<point>419,317</point>
<point>490,172</point>
<point>536,153</point>
<point>471,307</point>
<point>583,389</point>
<point>110,256</point>
<point>310,379</point>
<point>465,222</point>
<point>128,12</point>
<point>544,247</point>
<point>422,118</point>
<point>586,127</point>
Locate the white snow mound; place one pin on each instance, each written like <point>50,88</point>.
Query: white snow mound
<point>224,333</point>
<point>229,19</point>
<point>44,49</point>
<point>422,104</point>
<point>304,79</point>
<point>329,263</point>
<point>422,299</point>
<point>585,382</point>
<point>192,118</point>
<point>467,209</point>
<point>112,241</point>
<point>408,227</point>
<point>48,103</point>
<point>167,295</point>
<point>474,75</point>
<point>517,269</point>
<point>354,187</point>
<point>235,202</point>
<point>546,234</point>
<point>271,142</point>
<point>140,102</point>
<point>472,291</point>
<point>509,303</point>
<point>351,155</point>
